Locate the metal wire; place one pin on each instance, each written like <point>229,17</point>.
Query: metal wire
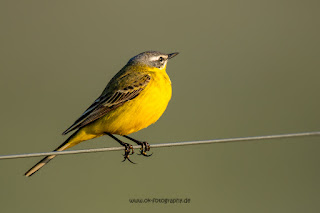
<point>228,140</point>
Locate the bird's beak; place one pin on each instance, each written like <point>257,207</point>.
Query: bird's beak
<point>171,55</point>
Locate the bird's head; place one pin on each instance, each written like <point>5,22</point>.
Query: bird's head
<point>153,60</point>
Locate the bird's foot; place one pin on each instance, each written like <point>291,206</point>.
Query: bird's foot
<point>144,148</point>
<point>127,149</point>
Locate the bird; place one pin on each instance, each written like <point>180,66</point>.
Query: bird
<point>134,98</point>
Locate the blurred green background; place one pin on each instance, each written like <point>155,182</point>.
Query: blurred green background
<point>245,68</point>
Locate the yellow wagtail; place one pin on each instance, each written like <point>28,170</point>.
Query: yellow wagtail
<point>135,98</point>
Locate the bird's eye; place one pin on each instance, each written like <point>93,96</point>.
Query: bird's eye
<point>160,59</point>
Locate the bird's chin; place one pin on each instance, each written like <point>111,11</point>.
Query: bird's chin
<point>163,67</point>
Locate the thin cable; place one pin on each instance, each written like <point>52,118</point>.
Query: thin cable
<point>228,140</point>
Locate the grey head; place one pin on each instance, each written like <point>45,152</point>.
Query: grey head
<point>152,59</point>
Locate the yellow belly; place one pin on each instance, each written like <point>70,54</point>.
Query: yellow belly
<point>138,113</point>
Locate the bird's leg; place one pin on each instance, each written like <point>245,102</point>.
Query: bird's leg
<point>144,146</point>
<point>127,146</point>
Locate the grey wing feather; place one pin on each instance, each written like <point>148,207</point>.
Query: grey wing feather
<point>110,101</point>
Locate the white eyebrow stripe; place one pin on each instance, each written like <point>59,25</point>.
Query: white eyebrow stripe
<point>154,58</point>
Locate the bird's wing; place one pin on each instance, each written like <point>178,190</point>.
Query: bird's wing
<point>119,90</point>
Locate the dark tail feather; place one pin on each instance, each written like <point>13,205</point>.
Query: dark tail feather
<point>46,159</point>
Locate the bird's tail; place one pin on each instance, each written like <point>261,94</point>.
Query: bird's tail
<point>70,142</point>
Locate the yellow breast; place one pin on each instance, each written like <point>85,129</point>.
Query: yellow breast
<point>139,112</point>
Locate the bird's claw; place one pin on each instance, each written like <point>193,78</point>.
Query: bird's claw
<point>128,147</point>
<point>144,148</point>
